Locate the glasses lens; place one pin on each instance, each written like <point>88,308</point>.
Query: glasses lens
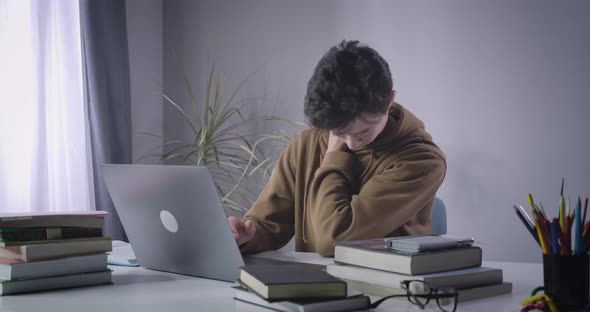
<point>418,288</point>
<point>416,292</point>
<point>447,300</point>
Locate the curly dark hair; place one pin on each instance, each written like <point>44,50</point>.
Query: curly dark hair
<point>350,79</point>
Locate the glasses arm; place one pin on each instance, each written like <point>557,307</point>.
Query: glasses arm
<point>380,301</point>
<point>426,296</point>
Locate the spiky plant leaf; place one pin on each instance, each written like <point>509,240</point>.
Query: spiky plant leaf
<point>219,142</point>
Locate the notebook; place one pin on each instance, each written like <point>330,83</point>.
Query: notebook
<point>427,243</point>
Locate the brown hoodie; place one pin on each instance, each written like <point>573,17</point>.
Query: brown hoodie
<point>385,189</point>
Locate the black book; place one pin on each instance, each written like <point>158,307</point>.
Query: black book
<point>291,281</point>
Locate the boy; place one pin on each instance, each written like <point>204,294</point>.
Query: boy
<point>366,169</point>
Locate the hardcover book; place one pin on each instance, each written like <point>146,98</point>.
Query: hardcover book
<point>465,294</point>
<point>35,234</point>
<point>51,241</point>
<point>376,254</point>
<point>463,278</point>
<point>88,219</point>
<point>16,269</point>
<point>351,303</point>
<point>54,250</point>
<point>57,282</point>
<point>288,281</point>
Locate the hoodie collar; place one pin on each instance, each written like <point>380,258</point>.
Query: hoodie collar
<point>400,124</point>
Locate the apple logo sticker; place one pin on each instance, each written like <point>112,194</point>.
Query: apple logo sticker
<point>168,221</point>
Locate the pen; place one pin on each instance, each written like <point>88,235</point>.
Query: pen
<point>528,226</point>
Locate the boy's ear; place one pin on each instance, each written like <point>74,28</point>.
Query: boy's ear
<point>392,99</point>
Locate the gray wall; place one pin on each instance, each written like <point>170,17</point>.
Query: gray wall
<point>501,85</point>
<point>145,39</point>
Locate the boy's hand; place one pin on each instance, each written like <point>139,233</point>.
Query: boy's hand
<point>243,231</point>
<point>335,143</point>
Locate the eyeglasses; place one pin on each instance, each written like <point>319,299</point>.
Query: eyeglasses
<point>420,293</point>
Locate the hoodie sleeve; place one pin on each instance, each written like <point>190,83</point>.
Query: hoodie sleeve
<point>384,203</point>
<point>273,211</point>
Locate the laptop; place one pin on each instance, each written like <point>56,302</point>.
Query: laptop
<point>174,219</point>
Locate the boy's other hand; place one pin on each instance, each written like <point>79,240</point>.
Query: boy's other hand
<point>335,143</point>
<point>243,231</point>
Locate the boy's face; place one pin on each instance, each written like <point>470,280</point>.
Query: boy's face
<point>362,130</point>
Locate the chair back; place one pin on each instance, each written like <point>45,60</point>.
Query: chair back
<point>439,217</point>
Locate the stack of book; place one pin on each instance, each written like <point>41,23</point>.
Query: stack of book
<point>43,251</point>
<point>294,287</point>
<point>373,268</point>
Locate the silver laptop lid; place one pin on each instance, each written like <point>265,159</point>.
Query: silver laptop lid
<point>174,219</point>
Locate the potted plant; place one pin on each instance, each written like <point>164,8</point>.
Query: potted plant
<point>238,162</point>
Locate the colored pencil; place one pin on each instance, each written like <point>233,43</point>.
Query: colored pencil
<point>554,246</point>
<point>562,182</point>
<point>541,239</point>
<point>579,245</point>
<point>585,209</point>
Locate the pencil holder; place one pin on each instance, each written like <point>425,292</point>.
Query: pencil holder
<point>566,280</point>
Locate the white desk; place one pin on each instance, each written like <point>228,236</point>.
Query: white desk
<point>138,289</point>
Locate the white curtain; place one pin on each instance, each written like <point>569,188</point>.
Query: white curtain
<point>44,145</point>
